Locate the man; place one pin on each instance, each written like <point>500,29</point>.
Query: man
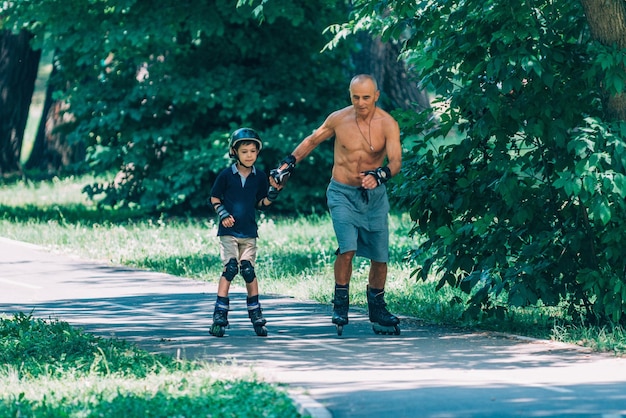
<point>357,198</point>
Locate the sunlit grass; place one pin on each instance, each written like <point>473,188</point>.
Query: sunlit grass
<point>190,394</point>
<point>295,256</point>
<point>50,369</point>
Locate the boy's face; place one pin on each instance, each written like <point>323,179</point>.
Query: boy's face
<point>247,154</point>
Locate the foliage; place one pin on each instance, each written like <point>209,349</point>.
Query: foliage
<point>156,91</point>
<point>525,205</point>
<point>52,369</point>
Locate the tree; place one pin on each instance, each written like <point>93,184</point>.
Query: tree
<point>155,92</point>
<point>400,89</point>
<point>51,153</point>
<point>518,187</point>
<point>18,70</point>
<point>607,21</point>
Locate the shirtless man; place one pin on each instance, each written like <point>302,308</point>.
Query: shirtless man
<point>357,198</point>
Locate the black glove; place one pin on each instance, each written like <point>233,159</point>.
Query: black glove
<point>381,174</point>
<point>272,193</point>
<point>284,170</point>
<point>221,211</point>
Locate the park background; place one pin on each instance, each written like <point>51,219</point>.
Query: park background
<point>510,206</point>
<point>508,213</point>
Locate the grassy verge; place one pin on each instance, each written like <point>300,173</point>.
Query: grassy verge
<point>295,257</point>
<point>49,369</point>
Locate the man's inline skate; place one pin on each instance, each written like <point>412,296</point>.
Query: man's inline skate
<point>258,322</point>
<point>382,321</point>
<point>220,319</point>
<point>340,309</point>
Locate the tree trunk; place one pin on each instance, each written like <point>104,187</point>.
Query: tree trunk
<point>36,159</point>
<point>607,22</point>
<point>381,60</point>
<point>51,153</point>
<point>18,72</point>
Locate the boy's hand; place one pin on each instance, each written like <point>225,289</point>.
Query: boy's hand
<point>274,184</point>
<point>285,169</point>
<point>228,222</point>
<point>225,217</point>
<point>272,193</point>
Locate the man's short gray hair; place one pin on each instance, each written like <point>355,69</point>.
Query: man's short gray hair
<point>361,77</point>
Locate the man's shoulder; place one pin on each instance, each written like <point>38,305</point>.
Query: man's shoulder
<point>341,114</point>
<point>387,120</point>
<point>383,114</point>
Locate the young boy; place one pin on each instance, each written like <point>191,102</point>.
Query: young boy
<point>236,194</point>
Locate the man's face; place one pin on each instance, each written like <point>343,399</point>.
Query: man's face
<point>363,95</point>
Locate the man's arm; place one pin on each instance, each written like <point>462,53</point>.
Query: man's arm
<point>393,150</point>
<point>393,147</point>
<point>311,142</point>
<point>308,144</point>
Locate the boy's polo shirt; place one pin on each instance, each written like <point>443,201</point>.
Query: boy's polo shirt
<point>240,199</point>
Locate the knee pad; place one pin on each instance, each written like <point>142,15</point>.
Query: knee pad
<point>247,271</point>
<point>230,269</point>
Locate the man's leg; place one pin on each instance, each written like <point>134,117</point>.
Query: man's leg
<point>378,275</point>
<point>343,268</point>
<point>341,300</point>
<point>383,321</point>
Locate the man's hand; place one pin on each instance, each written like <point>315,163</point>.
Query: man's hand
<point>379,176</point>
<point>284,170</point>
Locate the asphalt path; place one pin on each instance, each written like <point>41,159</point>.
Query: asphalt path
<point>425,371</point>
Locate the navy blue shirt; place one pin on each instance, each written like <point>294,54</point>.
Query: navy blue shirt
<point>240,200</point>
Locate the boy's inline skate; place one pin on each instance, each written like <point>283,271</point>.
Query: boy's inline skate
<point>220,318</point>
<point>340,309</point>
<point>258,322</point>
<point>382,321</point>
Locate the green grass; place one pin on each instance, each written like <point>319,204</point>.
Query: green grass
<point>49,369</point>
<point>295,258</point>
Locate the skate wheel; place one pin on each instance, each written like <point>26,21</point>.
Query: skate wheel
<point>339,330</point>
<point>386,330</point>
<point>217,331</point>
<point>261,331</point>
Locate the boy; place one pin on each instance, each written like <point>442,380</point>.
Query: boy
<point>236,194</point>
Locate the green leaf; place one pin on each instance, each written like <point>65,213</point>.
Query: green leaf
<point>601,210</point>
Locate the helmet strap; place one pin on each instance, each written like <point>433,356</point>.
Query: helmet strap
<point>239,162</point>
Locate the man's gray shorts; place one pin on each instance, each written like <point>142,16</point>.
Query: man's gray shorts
<point>360,224</point>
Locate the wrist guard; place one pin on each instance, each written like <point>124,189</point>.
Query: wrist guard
<point>381,174</point>
<point>221,211</point>
<point>272,194</point>
<point>284,170</point>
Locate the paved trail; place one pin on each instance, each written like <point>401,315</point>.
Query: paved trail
<point>424,372</point>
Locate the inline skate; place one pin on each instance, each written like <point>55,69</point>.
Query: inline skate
<point>382,321</point>
<point>340,309</point>
<point>258,322</point>
<point>220,319</point>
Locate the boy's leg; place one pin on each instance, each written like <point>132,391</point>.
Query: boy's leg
<point>248,250</point>
<point>255,314</point>
<point>228,253</point>
<point>220,316</point>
